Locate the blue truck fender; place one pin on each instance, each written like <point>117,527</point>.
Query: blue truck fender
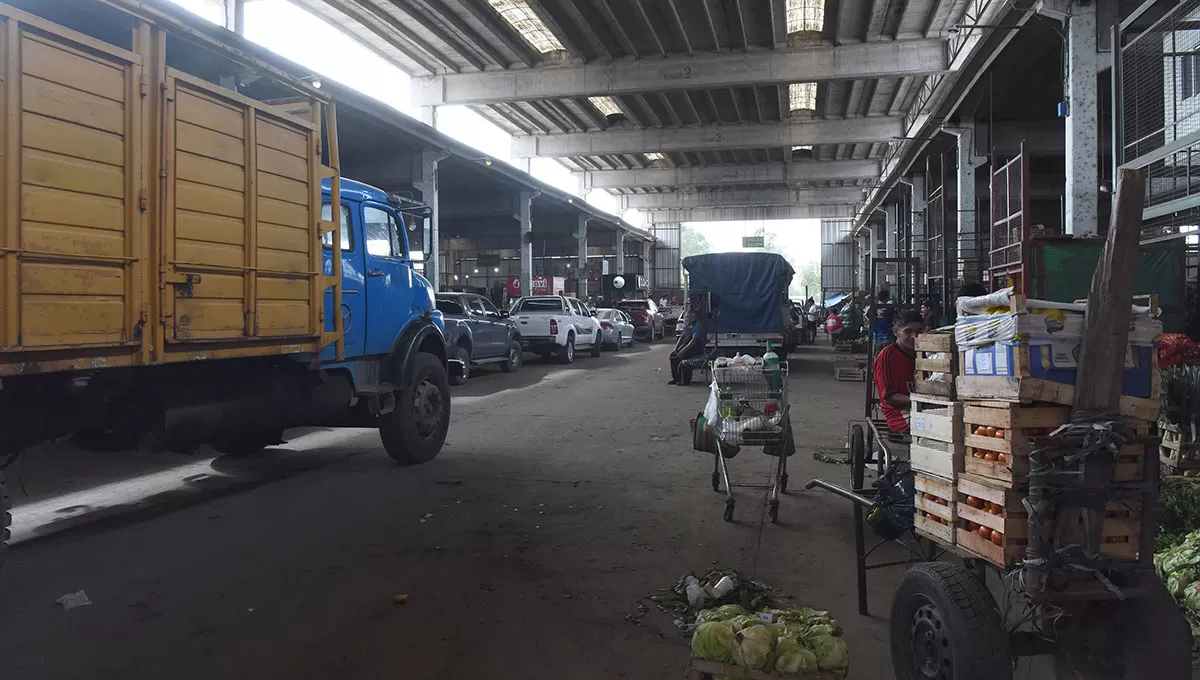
<point>420,335</point>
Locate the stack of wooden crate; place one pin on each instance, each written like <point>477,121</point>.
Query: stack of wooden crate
<point>936,454</point>
<point>1001,415</point>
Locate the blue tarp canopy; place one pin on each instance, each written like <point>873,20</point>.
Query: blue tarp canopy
<point>835,298</point>
<point>752,288</point>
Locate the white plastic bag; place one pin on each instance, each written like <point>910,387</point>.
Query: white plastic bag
<point>711,411</point>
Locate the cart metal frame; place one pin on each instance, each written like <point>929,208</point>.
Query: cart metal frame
<point>751,394</point>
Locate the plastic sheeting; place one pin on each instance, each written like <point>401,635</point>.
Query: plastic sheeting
<point>751,287</point>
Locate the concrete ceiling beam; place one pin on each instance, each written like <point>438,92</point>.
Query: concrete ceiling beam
<point>887,59</point>
<point>741,198</point>
<point>755,173</point>
<point>779,212</point>
<point>709,137</point>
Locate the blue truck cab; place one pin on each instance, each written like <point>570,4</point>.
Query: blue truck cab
<point>394,336</point>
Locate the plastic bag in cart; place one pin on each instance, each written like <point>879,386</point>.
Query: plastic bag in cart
<point>711,412</point>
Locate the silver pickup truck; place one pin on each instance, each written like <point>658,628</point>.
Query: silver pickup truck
<point>557,325</point>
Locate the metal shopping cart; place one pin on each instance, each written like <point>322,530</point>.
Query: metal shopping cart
<point>752,408</point>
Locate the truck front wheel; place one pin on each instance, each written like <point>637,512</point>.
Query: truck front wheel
<point>415,430</point>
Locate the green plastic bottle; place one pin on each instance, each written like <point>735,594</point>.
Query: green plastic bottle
<point>771,366</point>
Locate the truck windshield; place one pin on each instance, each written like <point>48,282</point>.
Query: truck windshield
<point>540,305</point>
<point>448,306</point>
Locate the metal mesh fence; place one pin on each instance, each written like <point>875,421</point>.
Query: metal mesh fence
<point>666,257</point>
<point>1160,107</point>
<point>837,257</point>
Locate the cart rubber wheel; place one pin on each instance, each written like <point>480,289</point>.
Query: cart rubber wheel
<point>716,482</point>
<point>783,483</point>
<point>945,626</point>
<point>773,511</point>
<point>858,456</point>
<point>729,510</point>
<point>1145,637</point>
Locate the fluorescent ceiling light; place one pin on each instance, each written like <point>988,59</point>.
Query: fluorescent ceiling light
<point>521,17</point>
<point>651,157</point>
<point>805,15</point>
<point>806,147</point>
<point>605,105</point>
<point>802,97</point>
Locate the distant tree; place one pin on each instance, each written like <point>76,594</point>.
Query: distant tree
<point>692,242</point>
<point>807,274</point>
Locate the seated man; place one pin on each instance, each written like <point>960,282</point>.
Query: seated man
<point>689,346</point>
<point>894,368</point>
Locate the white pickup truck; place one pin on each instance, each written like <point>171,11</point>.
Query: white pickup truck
<point>554,324</point>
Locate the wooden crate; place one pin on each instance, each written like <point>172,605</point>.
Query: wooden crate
<point>1177,450</point>
<point>699,668</point>
<point>1018,424</point>
<point>931,527</point>
<point>1121,529</point>
<point>929,345</point>
<point>853,372</point>
<point>1028,390</point>
<point>937,429</point>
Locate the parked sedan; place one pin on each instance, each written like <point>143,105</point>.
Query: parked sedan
<point>477,333</point>
<point>616,328</point>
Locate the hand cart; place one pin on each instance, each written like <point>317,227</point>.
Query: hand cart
<point>1098,629</point>
<point>753,411</point>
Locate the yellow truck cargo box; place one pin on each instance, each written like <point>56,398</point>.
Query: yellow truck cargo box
<point>147,215</point>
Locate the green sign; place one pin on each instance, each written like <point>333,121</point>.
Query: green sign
<point>753,242</point>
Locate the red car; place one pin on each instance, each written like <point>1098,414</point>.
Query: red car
<point>648,321</point>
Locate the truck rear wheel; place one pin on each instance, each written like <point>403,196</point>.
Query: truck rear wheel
<point>568,351</point>
<point>414,432</point>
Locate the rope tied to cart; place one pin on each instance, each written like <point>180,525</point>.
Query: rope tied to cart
<point>1074,467</point>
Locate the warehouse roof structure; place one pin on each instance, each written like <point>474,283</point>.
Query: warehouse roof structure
<point>762,99</point>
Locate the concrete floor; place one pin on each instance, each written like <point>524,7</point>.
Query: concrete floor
<point>563,497</point>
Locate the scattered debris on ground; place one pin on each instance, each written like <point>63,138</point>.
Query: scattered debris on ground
<point>72,600</point>
<point>826,458</point>
<point>716,587</point>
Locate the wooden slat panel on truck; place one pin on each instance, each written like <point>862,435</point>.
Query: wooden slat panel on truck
<point>76,216</point>
<point>242,226</point>
<point>148,216</point>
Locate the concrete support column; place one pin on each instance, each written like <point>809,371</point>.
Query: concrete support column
<point>235,16</point>
<point>864,259</point>
<point>621,252</point>
<point>968,235</point>
<point>429,116</point>
<point>427,184</point>
<point>1082,125</point>
<point>581,274</point>
<point>522,164</point>
<point>524,215</point>
<point>917,185</point>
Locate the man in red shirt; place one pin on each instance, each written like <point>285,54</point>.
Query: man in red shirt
<point>894,368</point>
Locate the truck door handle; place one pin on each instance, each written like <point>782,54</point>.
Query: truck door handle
<point>375,272</point>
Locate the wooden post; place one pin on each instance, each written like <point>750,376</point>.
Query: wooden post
<point>1105,336</point>
<point>1106,327</point>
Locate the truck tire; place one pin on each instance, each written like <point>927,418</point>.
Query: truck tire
<point>414,432</point>
<point>5,517</point>
<point>945,624</point>
<point>596,346</point>
<point>463,355</point>
<point>568,351</point>
<point>512,361</point>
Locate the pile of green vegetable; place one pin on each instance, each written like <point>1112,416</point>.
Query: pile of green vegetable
<point>1181,399</point>
<point>1178,512</point>
<point>1179,569</point>
<point>792,641</point>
